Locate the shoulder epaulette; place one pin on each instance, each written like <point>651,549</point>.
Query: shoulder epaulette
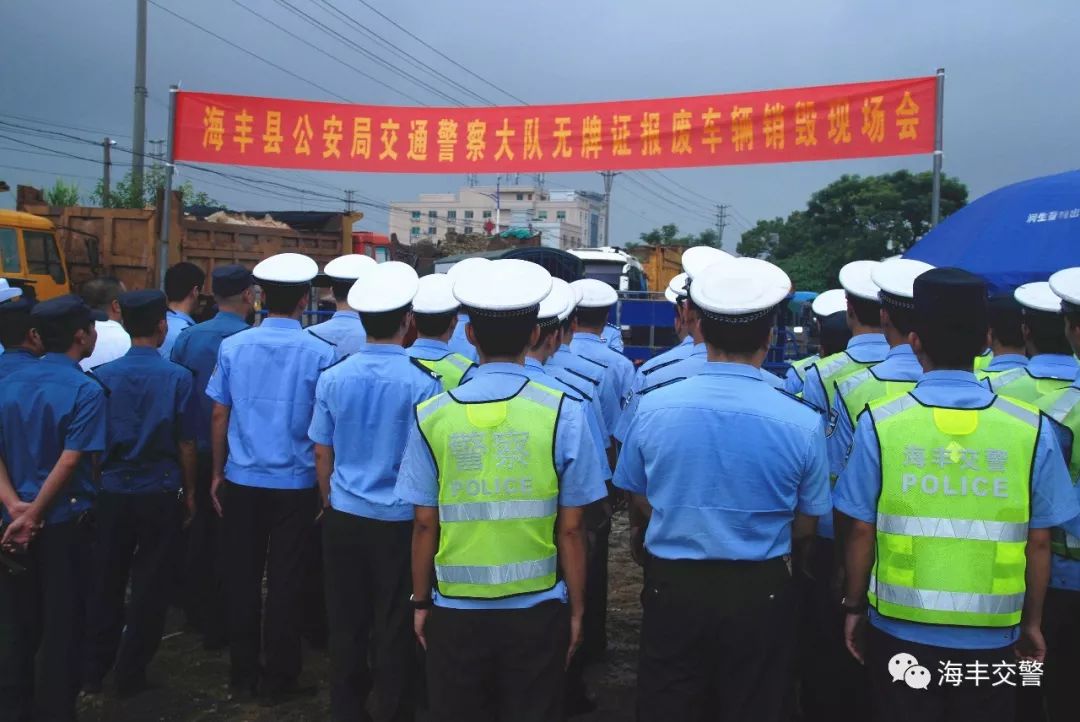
<point>336,362</point>
<point>802,401</point>
<point>424,369</point>
<point>106,389</point>
<point>646,372</point>
<point>661,385</point>
<point>593,361</point>
<point>320,337</point>
<point>594,382</point>
<point>584,396</point>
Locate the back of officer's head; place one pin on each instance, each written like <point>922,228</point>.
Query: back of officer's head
<point>143,313</point>
<point>15,323</point>
<point>434,325</point>
<point>1045,333</point>
<point>502,299</point>
<point>1006,319</point>
<point>62,322</point>
<point>950,317</point>
<point>864,311</point>
<point>386,324</point>
<point>100,293</point>
<point>283,300</point>
<point>182,279</point>
<point>736,303</point>
<point>734,335</point>
<point>835,333</point>
<point>502,335</point>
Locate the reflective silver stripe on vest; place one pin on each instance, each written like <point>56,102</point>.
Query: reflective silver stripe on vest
<point>1072,542</point>
<point>1016,411</point>
<point>503,574</point>
<point>1006,378</point>
<point>458,363</point>
<point>939,601</point>
<point>849,384</point>
<point>835,366</point>
<point>1064,405</point>
<point>971,529</point>
<point>437,403</point>
<point>893,408</point>
<point>498,510</point>
<point>544,398</point>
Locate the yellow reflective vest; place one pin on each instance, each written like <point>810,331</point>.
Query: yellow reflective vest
<point>450,369</point>
<point>1064,407</point>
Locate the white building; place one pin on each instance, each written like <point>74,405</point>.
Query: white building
<point>564,218</point>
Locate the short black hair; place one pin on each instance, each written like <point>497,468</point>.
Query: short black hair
<point>1072,314</point>
<point>867,312</point>
<point>737,337</point>
<point>341,289</point>
<point>58,335</point>
<point>835,333</point>
<point>503,335</point>
<point>903,319</point>
<point>948,349</point>
<point>181,278</point>
<point>14,325</point>
<point>546,332</point>
<point>141,324</point>
<point>1005,323</point>
<point>592,317</point>
<point>1047,332</point>
<point>385,324</point>
<point>283,299</point>
<point>434,324</point>
<point>99,293</point>
<point>568,324</point>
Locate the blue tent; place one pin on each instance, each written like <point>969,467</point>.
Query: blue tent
<point>1014,235</point>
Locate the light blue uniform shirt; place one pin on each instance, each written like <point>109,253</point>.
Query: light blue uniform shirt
<point>46,408</point>
<point>1007,362</point>
<point>618,370</point>
<point>364,408</point>
<point>866,348</point>
<point>267,375</point>
<point>536,372</point>
<point>344,330</point>
<point>430,349</point>
<point>459,342</point>
<point>177,322</point>
<point>712,498</point>
<point>1053,500</point>
<point>197,349</point>
<point>682,368</point>
<point>592,372</point>
<point>581,480</point>
<point>1065,573</point>
<point>680,351</point>
<point>14,360</point>
<point>612,336</point>
<point>793,383</point>
<point>1053,366</point>
<point>584,388</point>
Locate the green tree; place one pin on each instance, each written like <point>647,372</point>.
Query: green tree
<point>124,195</point>
<point>852,218</point>
<point>668,235</point>
<point>62,194</point>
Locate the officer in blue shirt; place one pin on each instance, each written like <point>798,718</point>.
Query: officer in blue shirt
<point>616,371</point>
<point>1006,336</point>
<point>501,658</point>
<point>183,284</point>
<point>826,304</point>
<point>675,293</point>
<point>725,514</point>
<point>21,341</point>
<point>264,484</point>
<point>575,370</point>
<point>197,348</point>
<point>147,493</point>
<point>1051,365</point>
<point>52,422</point>
<point>367,529</point>
<point>459,342</point>
<point>343,330</point>
<point>435,311</point>
<point>948,331</point>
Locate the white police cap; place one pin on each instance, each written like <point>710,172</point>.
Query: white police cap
<point>1066,284</point>
<point>832,301</point>
<point>507,286</point>
<point>383,287</point>
<point>286,269</point>
<point>896,280</point>
<point>1038,297</point>
<point>739,290</point>
<point>676,289</point>
<point>856,278</point>
<point>697,259</point>
<point>435,294</point>
<point>465,265</point>
<point>554,307</point>
<point>348,267</point>
<point>594,293</point>
<point>7,292</point>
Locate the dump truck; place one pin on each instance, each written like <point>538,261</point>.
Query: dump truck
<point>124,242</point>
<point>31,258</point>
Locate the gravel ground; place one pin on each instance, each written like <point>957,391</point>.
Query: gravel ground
<point>192,682</point>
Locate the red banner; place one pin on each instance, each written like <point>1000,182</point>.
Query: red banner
<point>860,120</point>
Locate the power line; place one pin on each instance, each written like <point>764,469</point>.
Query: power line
<point>46,171</point>
<point>42,121</point>
<point>49,150</point>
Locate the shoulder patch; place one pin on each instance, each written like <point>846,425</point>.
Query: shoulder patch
<point>646,372</point>
<point>594,382</point>
<point>320,337</point>
<point>424,369</point>
<point>804,402</point>
<point>348,355</point>
<point>593,361</point>
<point>661,385</point>
<point>99,382</point>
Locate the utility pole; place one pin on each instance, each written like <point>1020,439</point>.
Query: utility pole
<point>609,178</point>
<point>158,153</point>
<point>348,201</point>
<point>138,132</point>
<point>106,165</point>
<point>721,221</point>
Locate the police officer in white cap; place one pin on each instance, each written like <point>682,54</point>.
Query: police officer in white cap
<point>1051,365</point>
<point>717,637</point>
<point>500,469</point>
<point>343,330</point>
<point>367,530</point>
<point>597,299</point>
<point>825,304</point>
<point>675,293</point>
<point>436,312</point>
<point>264,483</point>
<point>459,343</point>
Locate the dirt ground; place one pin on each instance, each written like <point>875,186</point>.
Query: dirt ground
<point>192,683</point>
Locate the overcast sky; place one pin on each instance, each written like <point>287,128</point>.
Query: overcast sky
<point>1011,105</point>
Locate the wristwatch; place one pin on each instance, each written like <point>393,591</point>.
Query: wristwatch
<point>859,608</point>
<point>419,603</point>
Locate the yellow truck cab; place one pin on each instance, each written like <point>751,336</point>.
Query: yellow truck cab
<point>30,256</point>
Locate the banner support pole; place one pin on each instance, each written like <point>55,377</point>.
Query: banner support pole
<point>935,197</point>
<point>166,201</point>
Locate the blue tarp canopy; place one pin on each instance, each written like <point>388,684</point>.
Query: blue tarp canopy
<point>1014,235</point>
